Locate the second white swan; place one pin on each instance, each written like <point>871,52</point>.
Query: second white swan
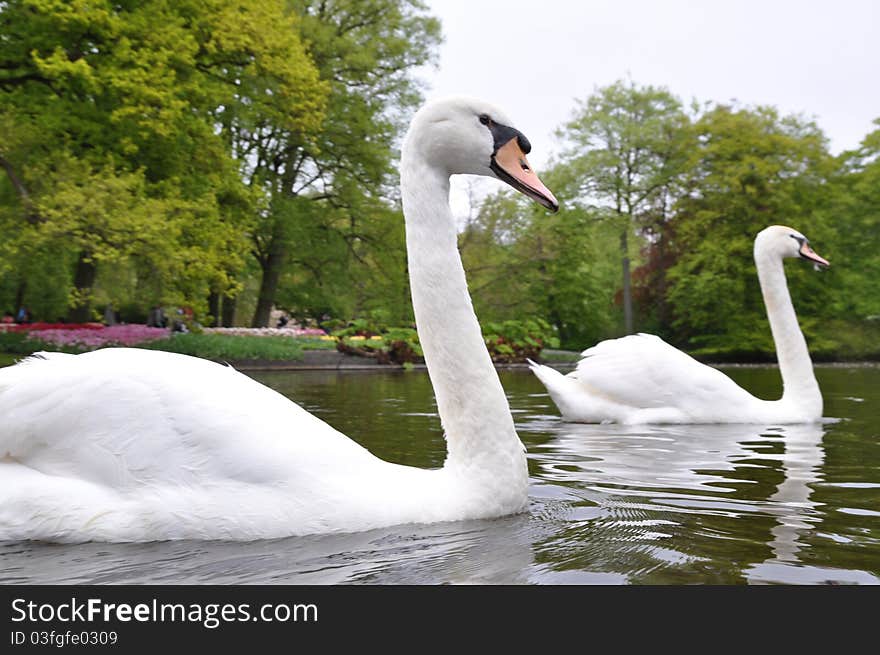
<point>642,379</point>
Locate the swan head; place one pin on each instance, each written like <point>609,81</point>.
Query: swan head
<point>787,242</point>
<point>464,135</point>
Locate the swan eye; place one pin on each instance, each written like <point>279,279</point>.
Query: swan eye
<point>485,120</point>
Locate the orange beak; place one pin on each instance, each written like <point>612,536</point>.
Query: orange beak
<point>509,163</point>
<point>808,253</point>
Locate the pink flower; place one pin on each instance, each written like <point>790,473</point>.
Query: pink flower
<point>115,335</point>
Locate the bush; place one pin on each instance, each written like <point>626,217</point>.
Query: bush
<point>17,343</point>
<point>510,341</point>
<point>393,346</point>
<point>516,341</point>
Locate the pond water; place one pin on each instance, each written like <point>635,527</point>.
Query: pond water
<point>608,504</point>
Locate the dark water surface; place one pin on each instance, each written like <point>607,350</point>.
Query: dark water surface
<point>609,504</point>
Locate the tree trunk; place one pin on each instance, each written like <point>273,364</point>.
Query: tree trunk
<point>661,284</point>
<point>19,297</point>
<point>83,281</point>
<point>30,211</point>
<point>214,308</point>
<point>627,292</point>
<point>552,309</point>
<point>228,311</point>
<point>271,269</point>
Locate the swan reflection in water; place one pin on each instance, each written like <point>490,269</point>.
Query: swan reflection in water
<point>649,481</point>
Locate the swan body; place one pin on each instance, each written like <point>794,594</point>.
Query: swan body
<point>123,444</point>
<point>642,379</point>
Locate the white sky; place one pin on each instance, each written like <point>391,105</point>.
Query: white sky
<point>533,58</point>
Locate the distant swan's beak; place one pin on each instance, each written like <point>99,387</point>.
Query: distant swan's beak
<point>809,253</point>
<point>509,163</point>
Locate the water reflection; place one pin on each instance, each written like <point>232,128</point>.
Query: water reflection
<point>796,513</point>
<point>651,483</point>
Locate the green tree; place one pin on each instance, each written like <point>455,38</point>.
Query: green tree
<point>123,100</point>
<point>627,145</point>
<point>854,213</point>
<point>850,218</point>
<point>752,168</point>
<point>367,51</point>
<point>522,262</point>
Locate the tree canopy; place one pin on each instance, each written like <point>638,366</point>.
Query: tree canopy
<point>626,147</point>
<point>684,192</point>
<point>113,159</point>
<point>240,157</point>
<point>366,51</point>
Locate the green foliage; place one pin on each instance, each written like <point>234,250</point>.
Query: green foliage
<point>522,261</point>
<point>850,219</point>
<point>507,341</point>
<point>752,169</point>
<point>330,242</point>
<point>361,327</point>
<point>387,345</point>
<point>392,346</point>
<point>155,152</point>
<point>16,343</point>
<point>109,140</point>
<point>625,146</point>
<point>517,340</point>
<point>331,271</point>
<point>723,175</point>
<point>626,156</point>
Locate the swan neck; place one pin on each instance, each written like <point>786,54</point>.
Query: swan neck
<point>795,365</point>
<point>471,402</point>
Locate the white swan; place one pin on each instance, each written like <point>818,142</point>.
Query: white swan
<point>642,379</point>
<point>136,445</point>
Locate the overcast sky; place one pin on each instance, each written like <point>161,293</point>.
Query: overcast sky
<point>811,57</point>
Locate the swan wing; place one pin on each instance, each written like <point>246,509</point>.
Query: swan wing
<point>643,371</point>
<point>122,417</point>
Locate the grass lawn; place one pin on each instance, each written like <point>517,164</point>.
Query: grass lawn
<point>222,347</point>
<point>233,347</point>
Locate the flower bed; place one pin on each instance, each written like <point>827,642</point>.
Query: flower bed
<point>74,337</point>
<point>36,327</point>
<point>87,339</point>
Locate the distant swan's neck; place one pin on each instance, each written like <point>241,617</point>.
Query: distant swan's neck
<point>479,430</point>
<point>795,365</point>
